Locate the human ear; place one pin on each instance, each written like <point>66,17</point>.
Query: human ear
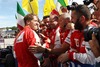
<point>27,22</point>
<point>82,19</point>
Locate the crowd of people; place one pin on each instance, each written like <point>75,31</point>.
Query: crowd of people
<point>59,40</point>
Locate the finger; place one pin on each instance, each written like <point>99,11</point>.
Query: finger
<point>37,44</point>
<point>93,37</point>
<point>32,46</point>
<point>33,51</point>
<point>90,41</point>
<point>59,59</point>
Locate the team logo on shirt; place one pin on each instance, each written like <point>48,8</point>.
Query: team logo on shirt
<point>20,38</point>
<point>77,42</point>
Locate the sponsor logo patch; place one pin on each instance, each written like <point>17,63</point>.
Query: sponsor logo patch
<point>20,38</point>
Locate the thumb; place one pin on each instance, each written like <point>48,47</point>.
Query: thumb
<point>93,37</point>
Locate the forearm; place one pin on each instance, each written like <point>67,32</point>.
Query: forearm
<point>82,57</point>
<point>96,52</point>
<point>58,51</point>
<point>95,49</point>
<point>95,46</point>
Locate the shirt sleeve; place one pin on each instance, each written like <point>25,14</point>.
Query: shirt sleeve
<point>97,59</point>
<point>85,58</point>
<point>29,35</point>
<point>67,39</point>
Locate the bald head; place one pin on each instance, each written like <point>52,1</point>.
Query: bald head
<point>66,16</point>
<point>64,19</point>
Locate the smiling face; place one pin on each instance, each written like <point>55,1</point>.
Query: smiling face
<point>64,19</point>
<point>61,21</point>
<point>34,24</point>
<point>32,21</point>
<point>53,21</point>
<point>47,22</point>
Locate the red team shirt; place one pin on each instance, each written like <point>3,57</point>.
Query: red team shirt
<point>23,40</point>
<point>75,39</point>
<point>61,36</point>
<point>78,43</point>
<point>80,49</point>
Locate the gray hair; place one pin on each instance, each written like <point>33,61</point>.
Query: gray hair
<point>66,15</point>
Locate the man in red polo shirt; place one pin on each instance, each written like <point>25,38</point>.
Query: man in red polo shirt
<point>24,39</point>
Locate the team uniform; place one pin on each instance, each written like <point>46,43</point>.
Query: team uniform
<point>80,53</point>
<point>23,40</point>
<point>53,39</point>
<point>57,37</point>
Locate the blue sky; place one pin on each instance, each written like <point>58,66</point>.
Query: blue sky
<point>8,11</point>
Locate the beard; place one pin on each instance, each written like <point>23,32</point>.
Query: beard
<point>78,25</point>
